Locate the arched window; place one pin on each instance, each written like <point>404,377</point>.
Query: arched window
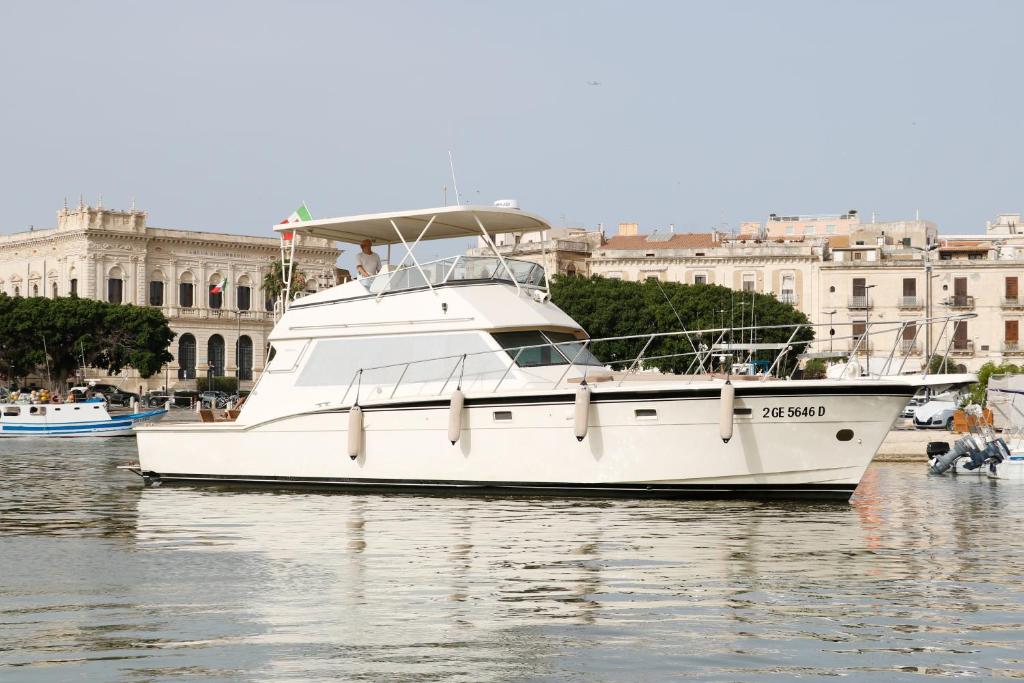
<point>115,285</point>
<point>268,303</point>
<point>216,290</point>
<point>53,288</point>
<point>186,291</point>
<point>243,296</point>
<point>17,290</point>
<point>244,359</point>
<point>570,270</point>
<point>35,289</point>
<point>215,355</point>
<point>186,356</point>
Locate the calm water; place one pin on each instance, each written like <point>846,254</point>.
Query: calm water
<point>103,580</point>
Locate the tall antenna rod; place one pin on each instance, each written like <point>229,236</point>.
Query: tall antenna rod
<point>455,183</point>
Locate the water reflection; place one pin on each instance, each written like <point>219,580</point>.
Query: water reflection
<point>918,576</point>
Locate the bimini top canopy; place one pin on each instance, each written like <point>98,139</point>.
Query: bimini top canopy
<point>445,223</point>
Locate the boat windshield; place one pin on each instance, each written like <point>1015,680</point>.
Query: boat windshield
<point>544,348</point>
<point>455,269</point>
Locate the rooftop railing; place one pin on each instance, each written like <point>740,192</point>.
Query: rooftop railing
<point>456,269</point>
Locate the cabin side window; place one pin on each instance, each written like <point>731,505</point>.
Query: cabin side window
<point>12,411</point>
<point>537,348</point>
<point>412,359</point>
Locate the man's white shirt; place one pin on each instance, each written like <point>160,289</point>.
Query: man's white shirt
<point>370,262</point>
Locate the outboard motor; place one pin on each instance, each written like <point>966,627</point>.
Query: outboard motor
<point>966,448</point>
<point>962,448</point>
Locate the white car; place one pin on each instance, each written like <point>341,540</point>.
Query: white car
<point>935,415</point>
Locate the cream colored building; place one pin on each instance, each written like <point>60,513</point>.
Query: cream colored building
<point>115,256</point>
<point>565,251</point>
<point>855,274</point>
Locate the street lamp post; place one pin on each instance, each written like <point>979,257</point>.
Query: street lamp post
<point>867,324</point>
<point>927,264</point>
<point>831,329</point>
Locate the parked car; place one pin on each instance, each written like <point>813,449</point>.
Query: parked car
<point>113,395</point>
<point>935,415</point>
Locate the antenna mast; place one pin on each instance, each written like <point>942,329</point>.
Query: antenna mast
<point>455,183</point>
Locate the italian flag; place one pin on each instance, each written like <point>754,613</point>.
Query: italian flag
<point>219,287</point>
<point>300,214</point>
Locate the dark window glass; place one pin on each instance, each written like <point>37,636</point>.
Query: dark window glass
<point>115,290</point>
<point>216,298</point>
<point>156,293</point>
<point>185,290</point>
<point>244,298</point>
<point>53,288</point>
<point>269,304</point>
<point>215,355</point>
<point>542,355</point>
<point>244,359</point>
<point>74,287</point>
<point>186,357</point>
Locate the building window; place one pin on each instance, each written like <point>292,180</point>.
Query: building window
<point>789,230</point>
<point>906,241</point>
<point>215,291</point>
<point>268,303</point>
<point>244,358</point>
<point>186,356</point>
<point>115,290</point>
<point>810,230</point>
<point>156,293</point>
<point>216,298</point>
<point>244,298</point>
<point>53,289</point>
<point>615,274</point>
<point>700,279</point>
<point>830,229</point>
<point>35,290</point>
<point>185,291</point>
<point>748,282</point>
<point>652,276</point>
<point>17,290</point>
<point>74,287</point>
<point>215,355</point>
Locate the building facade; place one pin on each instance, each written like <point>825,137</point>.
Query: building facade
<point>850,275</point>
<point>115,256</point>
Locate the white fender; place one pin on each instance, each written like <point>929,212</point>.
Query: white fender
<point>725,416</point>
<point>455,415</point>
<point>581,418</point>
<point>355,431</point>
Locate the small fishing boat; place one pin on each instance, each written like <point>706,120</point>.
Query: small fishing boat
<point>69,419</point>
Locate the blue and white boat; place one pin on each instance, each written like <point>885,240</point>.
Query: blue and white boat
<point>69,419</point>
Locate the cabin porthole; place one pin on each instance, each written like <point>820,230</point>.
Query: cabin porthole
<point>844,435</point>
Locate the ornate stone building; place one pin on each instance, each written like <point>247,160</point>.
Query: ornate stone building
<point>114,256</point>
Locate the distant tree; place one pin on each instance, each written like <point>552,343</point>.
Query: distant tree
<point>61,334</point>
<point>608,307</point>
<point>815,369</point>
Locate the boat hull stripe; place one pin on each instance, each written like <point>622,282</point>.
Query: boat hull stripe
<point>632,490</point>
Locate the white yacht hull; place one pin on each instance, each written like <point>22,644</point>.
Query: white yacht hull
<point>790,440</point>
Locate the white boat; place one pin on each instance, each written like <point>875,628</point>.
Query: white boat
<point>461,374</point>
<point>23,419</point>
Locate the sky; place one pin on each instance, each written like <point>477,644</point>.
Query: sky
<point>226,115</point>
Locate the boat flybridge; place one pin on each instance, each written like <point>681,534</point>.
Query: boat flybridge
<point>461,374</point>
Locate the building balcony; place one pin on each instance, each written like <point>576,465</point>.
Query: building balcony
<point>909,302</point>
<point>962,347</point>
<point>859,302</point>
<point>1013,348</point>
<point>961,301</point>
<point>1012,302</point>
<point>909,347</point>
<point>192,313</point>
<point>788,297</point>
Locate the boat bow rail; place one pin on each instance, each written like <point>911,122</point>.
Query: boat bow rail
<point>713,353</point>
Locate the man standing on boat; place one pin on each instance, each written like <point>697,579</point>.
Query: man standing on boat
<point>367,262</point>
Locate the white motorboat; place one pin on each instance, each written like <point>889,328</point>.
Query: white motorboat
<point>462,375</point>
<point>88,418</point>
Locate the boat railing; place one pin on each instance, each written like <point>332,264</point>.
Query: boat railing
<point>456,269</point>
<point>870,350</point>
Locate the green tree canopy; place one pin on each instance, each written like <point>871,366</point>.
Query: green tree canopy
<point>611,308</point>
<point>64,332</point>
<point>273,282</point>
